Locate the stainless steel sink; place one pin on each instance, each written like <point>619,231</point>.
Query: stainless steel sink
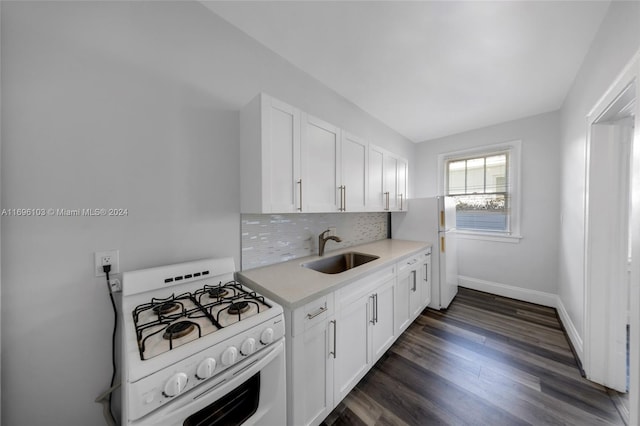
<point>340,262</point>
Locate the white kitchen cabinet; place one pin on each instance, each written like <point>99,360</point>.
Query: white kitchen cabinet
<point>425,278</point>
<point>329,350</point>
<point>408,298</point>
<point>376,199</point>
<point>390,165</point>
<point>270,153</point>
<point>312,392</point>
<point>310,361</point>
<point>382,332</point>
<point>364,328</point>
<point>403,293</point>
<point>387,180</point>
<point>353,358</point>
<point>321,165</point>
<point>401,191</point>
<point>294,162</point>
<point>354,168</point>
<point>413,288</point>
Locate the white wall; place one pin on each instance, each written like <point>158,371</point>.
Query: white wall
<point>131,105</point>
<point>516,269</point>
<point>616,42</point>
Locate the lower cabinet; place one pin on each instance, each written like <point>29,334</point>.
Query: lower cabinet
<point>406,289</point>
<point>413,289</point>
<point>333,341</point>
<point>312,368</point>
<point>364,330</point>
<point>382,332</point>
<point>425,278</point>
<point>352,359</point>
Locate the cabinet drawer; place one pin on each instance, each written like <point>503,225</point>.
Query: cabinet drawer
<point>352,292</point>
<point>409,263</point>
<point>312,313</point>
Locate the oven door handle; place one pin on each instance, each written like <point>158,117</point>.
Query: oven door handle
<point>246,370</point>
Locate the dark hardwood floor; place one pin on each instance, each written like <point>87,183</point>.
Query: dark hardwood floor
<point>487,360</point>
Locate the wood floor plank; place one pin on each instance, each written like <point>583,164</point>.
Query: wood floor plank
<point>487,360</point>
<point>502,391</point>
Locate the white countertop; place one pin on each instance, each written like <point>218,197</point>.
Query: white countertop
<point>293,285</point>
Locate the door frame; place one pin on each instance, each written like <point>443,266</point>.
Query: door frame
<point>596,335</point>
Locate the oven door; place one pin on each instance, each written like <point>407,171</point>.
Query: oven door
<point>252,393</point>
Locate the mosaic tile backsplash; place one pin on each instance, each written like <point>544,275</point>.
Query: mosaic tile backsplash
<point>275,238</point>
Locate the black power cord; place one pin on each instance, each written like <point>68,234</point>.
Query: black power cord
<point>107,269</point>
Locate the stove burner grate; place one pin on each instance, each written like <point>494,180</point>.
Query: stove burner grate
<point>178,329</point>
<point>239,307</point>
<point>166,308</point>
<point>217,292</point>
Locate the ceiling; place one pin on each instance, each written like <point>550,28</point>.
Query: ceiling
<point>429,69</point>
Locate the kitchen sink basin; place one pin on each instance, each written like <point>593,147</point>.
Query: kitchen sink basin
<point>340,262</point>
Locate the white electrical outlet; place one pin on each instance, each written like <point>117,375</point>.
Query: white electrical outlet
<point>107,257</point>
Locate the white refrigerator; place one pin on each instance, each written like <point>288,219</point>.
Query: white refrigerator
<point>433,220</point>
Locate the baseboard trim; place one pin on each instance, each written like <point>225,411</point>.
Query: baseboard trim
<point>570,329</point>
<point>531,296</point>
<point>519,293</point>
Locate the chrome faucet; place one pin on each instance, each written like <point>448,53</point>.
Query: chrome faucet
<point>322,240</point>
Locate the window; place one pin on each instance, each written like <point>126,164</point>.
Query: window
<point>484,185</point>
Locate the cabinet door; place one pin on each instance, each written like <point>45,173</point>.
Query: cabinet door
<point>354,173</point>
<point>376,197</point>
<point>390,182</point>
<point>320,147</point>
<point>401,306</point>
<point>281,155</point>
<point>415,298</point>
<point>383,335</point>
<point>426,280</point>
<point>312,392</point>
<point>352,349</point>
<point>401,168</point>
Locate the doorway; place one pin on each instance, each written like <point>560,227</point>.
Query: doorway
<point>612,240</point>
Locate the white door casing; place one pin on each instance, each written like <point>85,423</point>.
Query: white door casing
<point>607,192</point>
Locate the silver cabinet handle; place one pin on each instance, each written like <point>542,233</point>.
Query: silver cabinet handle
<point>300,194</point>
<point>386,194</point>
<point>335,331</point>
<point>318,312</point>
<point>375,296</point>
<point>401,198</point>
<point>344,196</point>
<point>414,281</point>
<point>426,272</point>
<point>373,309</point>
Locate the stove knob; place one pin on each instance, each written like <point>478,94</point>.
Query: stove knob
<point>266,338</point>
<point>248,346</point>
<point>206,368</point>
<point>175,384</point>
<point>229,356</point>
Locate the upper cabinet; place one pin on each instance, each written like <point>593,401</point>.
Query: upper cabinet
<point>354,162</point>
<point>294,162</point>
<point>270,157</point>
<point>387,180</point>
<point>321,165</point>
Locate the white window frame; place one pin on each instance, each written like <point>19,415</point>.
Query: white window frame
<point>514,189</point>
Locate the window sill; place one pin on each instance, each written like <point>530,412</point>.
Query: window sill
<point>502,238</point>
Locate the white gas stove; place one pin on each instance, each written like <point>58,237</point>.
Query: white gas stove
<point>200,348</point>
